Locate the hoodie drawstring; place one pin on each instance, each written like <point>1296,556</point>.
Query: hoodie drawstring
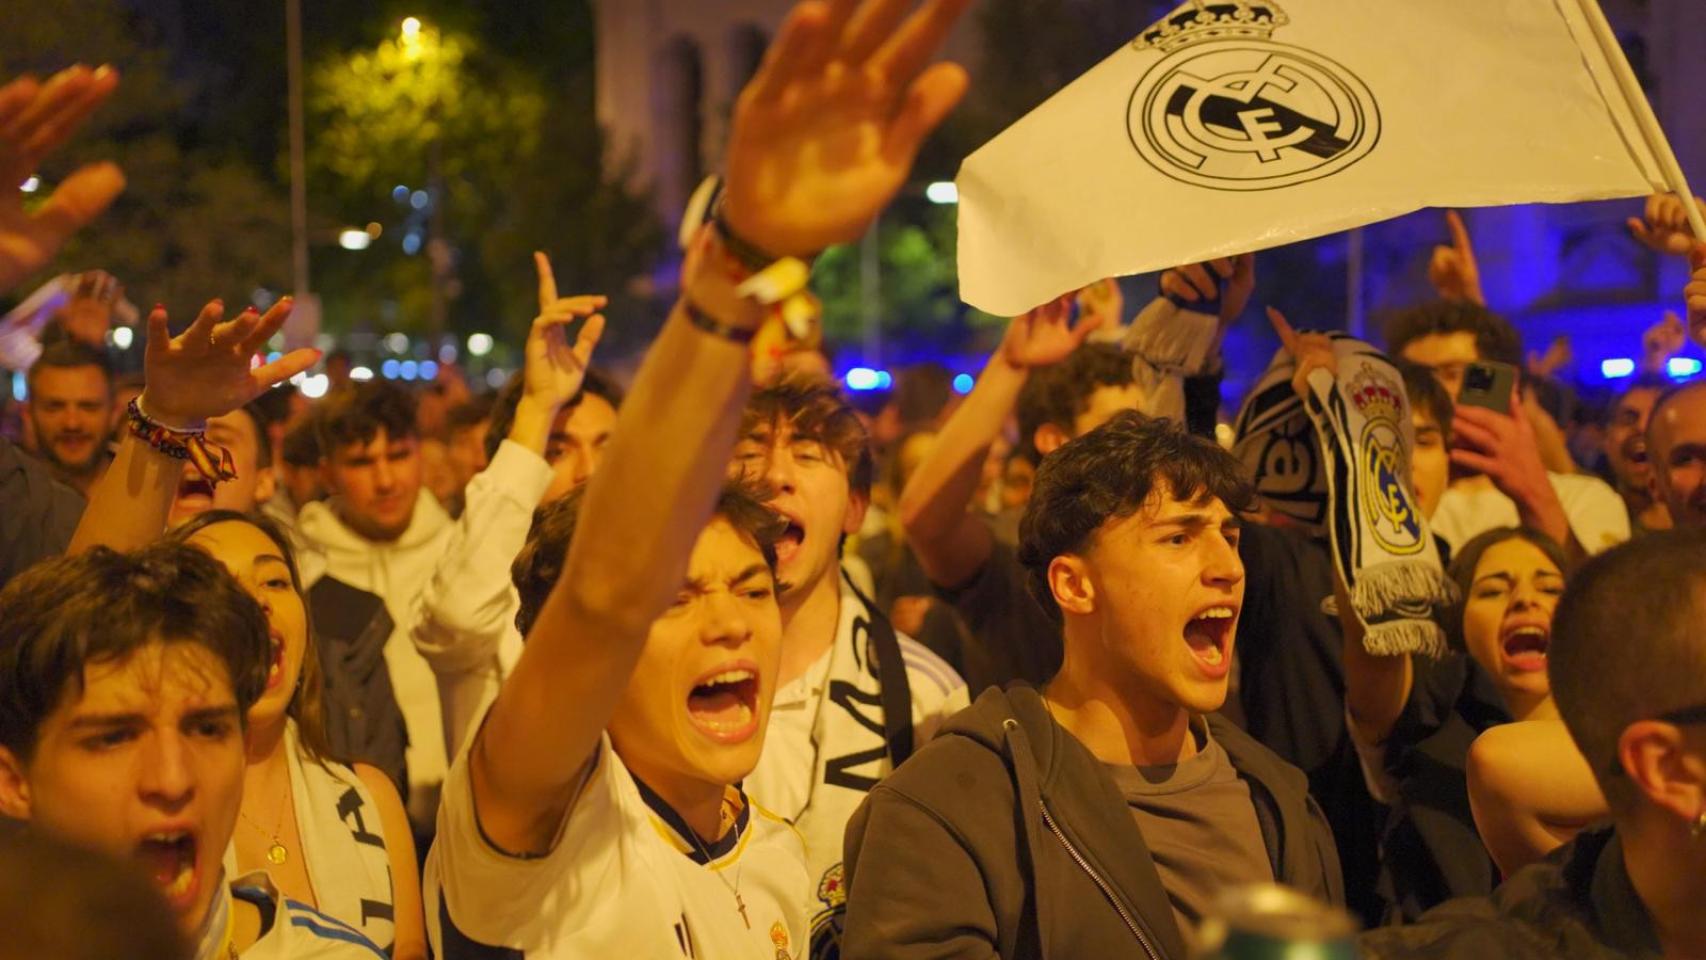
<point>1018,748</point>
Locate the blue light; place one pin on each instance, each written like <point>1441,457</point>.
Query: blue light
<point>1682,367</point>
<point>274,356</point>
<point>429,370</point>
<point>411,243</point>
<point>1616,367</point>
<point>862,379</point>
<point>408,369</point>
<point>388,369</point>
<point>400,193</point>
<point>963,383</point>
<point>884,381</point>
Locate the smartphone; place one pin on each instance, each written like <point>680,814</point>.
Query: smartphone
<point>1488,385</point>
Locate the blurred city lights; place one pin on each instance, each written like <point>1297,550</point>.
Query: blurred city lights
<point>419,199</point>
<point>1616,367</point>
<point>123,337</point>
<point>408,369</point>
<point>361,373</point>
<point>31,184</point>
<point>411,28</point>
<point>447,353</point>
<point>353,239</point>
<point>862,379</point>
<point>273,356</point>
<point>1680,367</point>
<point>495,377</point>
<point>412,243</point>
<point>942,191</point>
<point>400,193</point>
<point>963,383</point>
<point>429,370</point>
<point>315,387</point>
<point>388,369</point>
<point>479,344</point>
<point>397,342</point>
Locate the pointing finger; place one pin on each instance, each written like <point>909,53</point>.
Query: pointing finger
<point>1287,336</point>
<point>547,280</point>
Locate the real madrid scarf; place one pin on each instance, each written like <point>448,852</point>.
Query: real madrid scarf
<point>1341,463</point>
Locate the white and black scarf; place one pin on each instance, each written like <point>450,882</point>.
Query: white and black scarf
<point>1341,464</point>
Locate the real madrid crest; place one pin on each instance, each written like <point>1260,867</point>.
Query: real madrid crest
<point>1228,108</point>
<point>1388,508</point>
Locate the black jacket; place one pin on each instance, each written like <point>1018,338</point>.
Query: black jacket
<point>1005,837</point>
<point>1577,904</point>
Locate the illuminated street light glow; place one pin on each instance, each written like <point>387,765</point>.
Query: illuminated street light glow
<point>1680,367</point>
<point>31,184</point>
<point>479,344</point>
<point>411,28</point>
<point>1616,367</point>
<point>353,239</point>
<point>388,369</point>
<point>942,192</point>
<point>361,373</point>
<point>123,337</point>
<point>315,387</point>
<point>429,370</point>
<point>397,342</point>
<point>963,383</point>
<point>419,199</point>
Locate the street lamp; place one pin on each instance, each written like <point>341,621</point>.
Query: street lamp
<point>411,28</point>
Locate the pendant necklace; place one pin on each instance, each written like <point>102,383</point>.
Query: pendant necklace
<point>277,853</point>
<point>734,888</point>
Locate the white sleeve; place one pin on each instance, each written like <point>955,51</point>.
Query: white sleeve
<point>938,692</point>
<point>468,605</point>
<point>509,900</point>
<point>1598,516</point>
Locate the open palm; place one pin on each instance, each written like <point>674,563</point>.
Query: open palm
<point>1046,334</point>
<point>207,370</point>
<point>826,132</point>
<point>35,119</point>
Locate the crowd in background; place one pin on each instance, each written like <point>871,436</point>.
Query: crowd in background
<point>721,661</point>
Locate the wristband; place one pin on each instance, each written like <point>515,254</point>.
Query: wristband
<point>182,444</point>
<point>715,327</point>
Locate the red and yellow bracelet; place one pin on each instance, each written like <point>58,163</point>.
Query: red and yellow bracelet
<point>210,459</point>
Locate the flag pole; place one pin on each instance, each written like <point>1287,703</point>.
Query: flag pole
<point>1642,110</point>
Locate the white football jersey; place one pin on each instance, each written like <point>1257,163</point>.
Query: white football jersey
<point>623,880</point>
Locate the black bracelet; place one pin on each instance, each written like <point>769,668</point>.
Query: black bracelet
<point>715,327</point>
<point>749,254</point>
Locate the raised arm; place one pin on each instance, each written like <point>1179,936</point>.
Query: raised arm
<point>203,372</point>
<point>821,139</point>
<point>950,543</point>
<point>1376,687</point>
<point>1531,791</point>
<point>466,608</point>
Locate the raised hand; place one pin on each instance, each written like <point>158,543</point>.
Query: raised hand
<point>1557,356</point>
<point>1103,301</point>
<point>1664,226</point>
<point>1452,269</point>
<point>1309,351</point>
<point>1661,341</point>
<point>35,119</point>
<point>1046,335</point>
<point>206,370</point>
<point>1194,282</point>
<point>826,132</point>
<point>555,370</point>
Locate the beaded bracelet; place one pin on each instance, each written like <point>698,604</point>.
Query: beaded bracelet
<point>717,328</point>
<point>190,445</point>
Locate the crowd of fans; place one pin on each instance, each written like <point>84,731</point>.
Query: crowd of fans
<point>717,664</point>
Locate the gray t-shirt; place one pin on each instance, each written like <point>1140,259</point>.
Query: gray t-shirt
<point>1199,824</point>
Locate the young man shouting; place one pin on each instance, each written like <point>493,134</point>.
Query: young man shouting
<point>1102,814</point>
<point>853,697</point>
<point>124,683</point>
<point>596,809</point>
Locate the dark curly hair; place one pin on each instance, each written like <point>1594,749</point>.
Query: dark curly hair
<point>1058,394</point>
<point>1495,338</point>
<point>1111,473</point>
<point>541,560</point>
<point>357,411</point>
<point>62,615</point>
<point>814,410</point>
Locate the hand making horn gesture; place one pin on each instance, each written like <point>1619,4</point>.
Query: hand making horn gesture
<point>1452,269</point>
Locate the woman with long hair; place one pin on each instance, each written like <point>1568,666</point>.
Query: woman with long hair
<point>332,835</point>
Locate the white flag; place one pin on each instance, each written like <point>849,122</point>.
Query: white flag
<point>1238,125</point>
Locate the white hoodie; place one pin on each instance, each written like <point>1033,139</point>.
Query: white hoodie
<point>405,573</point>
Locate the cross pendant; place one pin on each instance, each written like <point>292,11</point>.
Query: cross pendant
<point>741,905</point>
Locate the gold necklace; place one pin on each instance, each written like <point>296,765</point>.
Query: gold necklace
<point>277,854</point>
